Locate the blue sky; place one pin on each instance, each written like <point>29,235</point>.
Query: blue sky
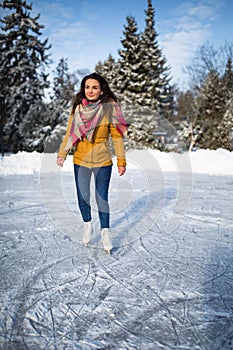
<point>86,31</point>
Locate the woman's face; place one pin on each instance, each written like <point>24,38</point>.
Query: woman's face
<point>92,89</point>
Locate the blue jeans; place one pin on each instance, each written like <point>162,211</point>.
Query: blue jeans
<point>102,177</point>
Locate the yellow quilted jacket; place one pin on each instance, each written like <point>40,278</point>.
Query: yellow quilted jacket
<point>96,153</point>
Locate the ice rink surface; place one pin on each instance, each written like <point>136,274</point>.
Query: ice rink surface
<point>168,283</point>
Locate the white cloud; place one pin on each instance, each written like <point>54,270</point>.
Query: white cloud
<point>68,41</point>
<point>74,32</point>
<point>186,31</point>
<point>202,9</point>
<point>66,29</point>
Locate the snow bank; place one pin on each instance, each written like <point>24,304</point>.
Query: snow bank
<point>20,163</point>
<point>219,162</point>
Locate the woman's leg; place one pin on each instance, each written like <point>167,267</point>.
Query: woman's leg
<point>82,180</point>
<point>102,180</point>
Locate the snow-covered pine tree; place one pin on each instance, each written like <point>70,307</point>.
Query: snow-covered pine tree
<point>130,66</point>
<point>22,62</point>
<point>109,70</point>
<point>63,84</point>
<point>142,83</point>
<point>45,134</point>
<point>228,79</point>
<point>122,77</point>
<point>206,119</point>
<point>100,69</point>
<point>185,120</point>
<point>129,77</point>
<point>211,111</point>
<point>142,123</point>
<point>63,93</point>
<point>225,128</point>
<point>35,126</point>
<point>143,79</point>
<point>156,90</point>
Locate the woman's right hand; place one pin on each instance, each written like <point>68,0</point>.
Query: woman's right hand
<point>60,161</point>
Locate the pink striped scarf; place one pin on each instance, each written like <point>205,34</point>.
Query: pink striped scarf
<point>88,116</point>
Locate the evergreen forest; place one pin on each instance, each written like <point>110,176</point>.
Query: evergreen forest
<point>160,115</point>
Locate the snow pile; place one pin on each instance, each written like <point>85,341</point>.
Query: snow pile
<point>219,162</point>
<point>20,163</point>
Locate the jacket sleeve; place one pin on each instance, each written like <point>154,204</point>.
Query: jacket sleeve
<point>118,143</point>
<point>62,153</point>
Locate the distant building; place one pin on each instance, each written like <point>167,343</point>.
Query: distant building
<point>168,141</point>
<point>160,136</point>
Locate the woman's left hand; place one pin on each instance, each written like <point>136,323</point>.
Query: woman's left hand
<point>121,170</point>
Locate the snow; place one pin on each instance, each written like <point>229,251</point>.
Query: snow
<point>219,162</point>
<point>167,284</point>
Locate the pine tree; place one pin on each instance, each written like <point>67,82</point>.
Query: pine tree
<point>156,91</point>
<point>36,126</point>
<point>144,80</point>
<point>228,78</point>
<point>63,84</point>
<point>142,123</point>
<point>141,80</point>
<point>37,130</point>
<point>130,65</point>
<point>226,126</point>
<point>22,63</point>
<point>141,120</point>
<point>212,86</point>
<point>188,130</point>
<point>209,118</point>
<point>212,110</point>
<point>109,70</point>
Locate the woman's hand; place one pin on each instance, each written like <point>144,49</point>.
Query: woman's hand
<point>121,170</point>
<point>60,161</point>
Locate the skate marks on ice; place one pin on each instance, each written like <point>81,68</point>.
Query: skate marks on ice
<point>161,290</point>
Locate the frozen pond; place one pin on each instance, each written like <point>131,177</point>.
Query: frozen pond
<point>167,285</point>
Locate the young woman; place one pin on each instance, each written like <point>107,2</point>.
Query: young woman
<point>95,117</point>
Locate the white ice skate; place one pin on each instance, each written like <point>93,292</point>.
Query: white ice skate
<point>107,243</point>
<point>87,232</point>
